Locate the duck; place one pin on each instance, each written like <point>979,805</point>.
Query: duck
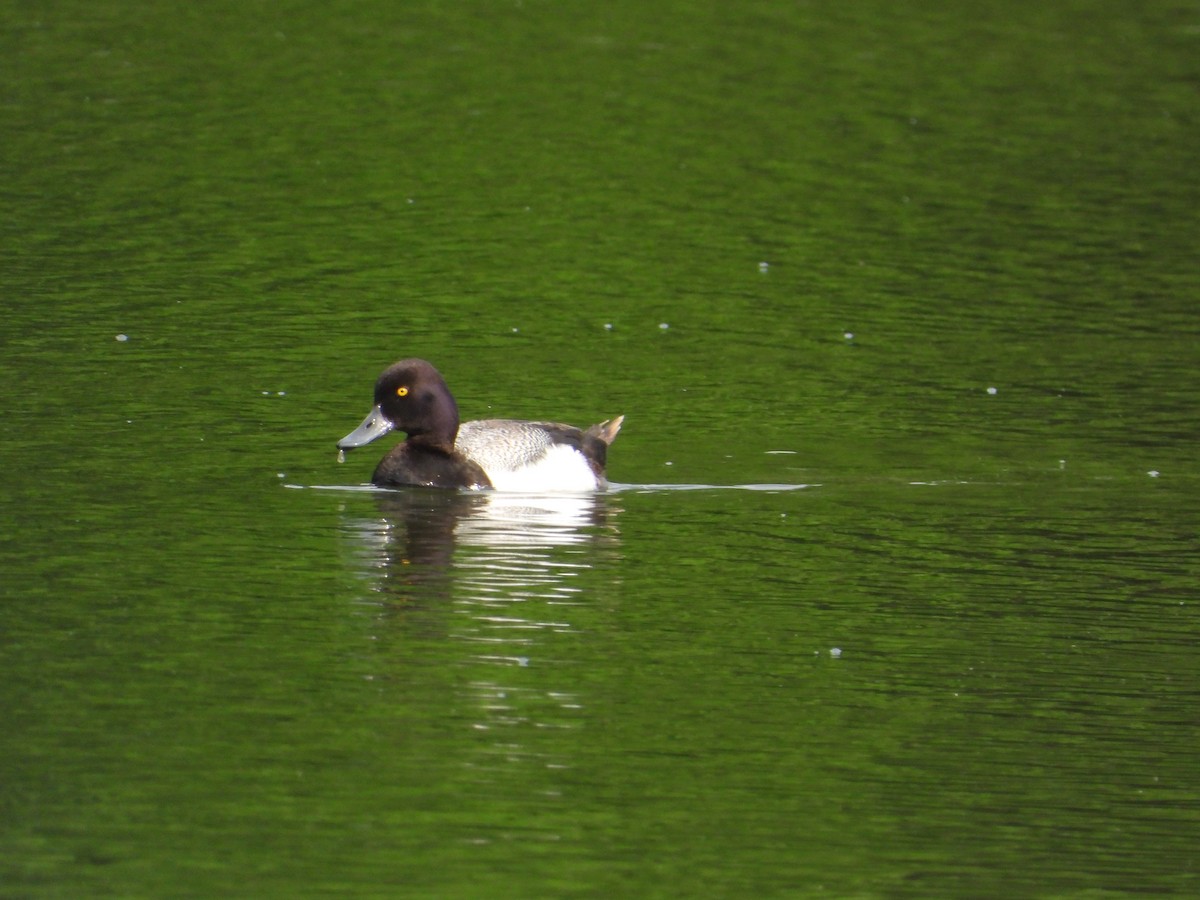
<point>497,454</point>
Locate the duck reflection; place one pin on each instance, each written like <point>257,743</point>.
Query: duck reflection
<point>479,547</point>
<point>484,597</point>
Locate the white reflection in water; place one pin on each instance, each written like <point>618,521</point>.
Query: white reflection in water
<point>534,520</point>
<point>498,575</point>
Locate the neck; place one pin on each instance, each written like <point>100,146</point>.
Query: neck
<point>440,428</point>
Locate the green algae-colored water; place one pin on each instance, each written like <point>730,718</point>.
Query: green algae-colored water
<point>898,589</point>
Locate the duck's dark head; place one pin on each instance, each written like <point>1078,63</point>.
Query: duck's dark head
<point>410,396</point>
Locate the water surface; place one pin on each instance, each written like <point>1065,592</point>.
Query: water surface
<point>895,594</point>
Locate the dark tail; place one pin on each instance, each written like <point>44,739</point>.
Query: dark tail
<point>606,431</point>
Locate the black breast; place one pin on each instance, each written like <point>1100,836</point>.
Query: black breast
<point>428,467</point>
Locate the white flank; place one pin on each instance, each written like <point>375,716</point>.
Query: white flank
<point>561,468</point>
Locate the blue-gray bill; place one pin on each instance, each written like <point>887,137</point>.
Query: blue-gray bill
<point>373,427</point>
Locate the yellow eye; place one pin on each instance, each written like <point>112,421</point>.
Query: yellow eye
<point>401,391</point>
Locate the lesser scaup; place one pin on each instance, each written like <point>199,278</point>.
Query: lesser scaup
<point>505,454</point>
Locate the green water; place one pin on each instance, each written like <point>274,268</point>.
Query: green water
<point>904,297</point>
